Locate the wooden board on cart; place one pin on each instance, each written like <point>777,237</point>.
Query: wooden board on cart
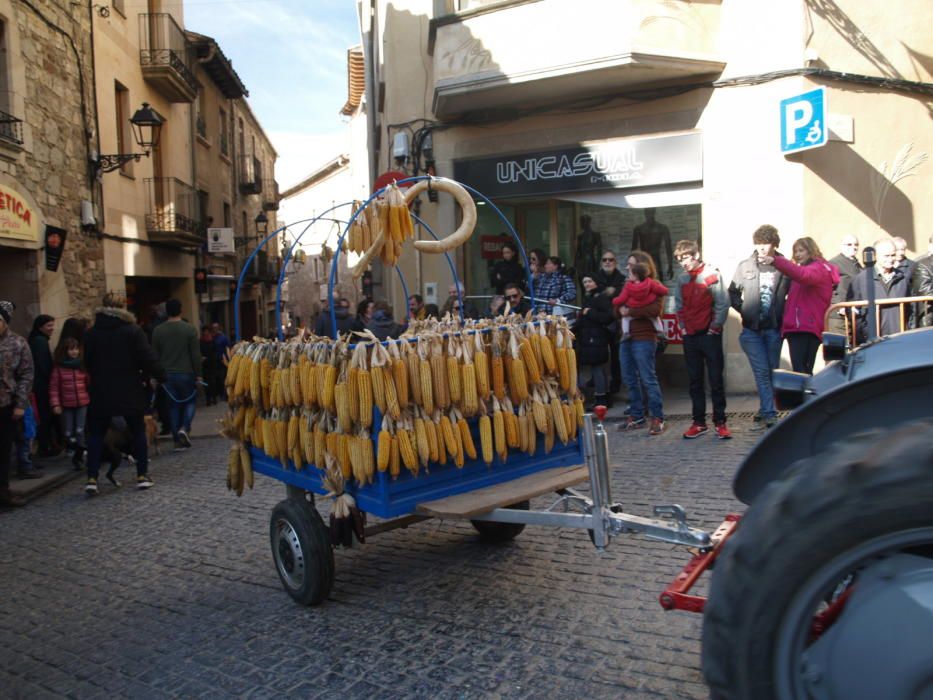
<point>466,505</point>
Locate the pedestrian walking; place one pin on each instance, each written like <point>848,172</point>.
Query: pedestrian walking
<point>16,379</point>
<point>177,348</point>
<point>42,328</point>
<point>69,397</point>
<point>758,292</point>
<point>593,335</point>
<point>119,362</point>
<point>810,294</point>
<point>638,355</point>
<point>702,305</point>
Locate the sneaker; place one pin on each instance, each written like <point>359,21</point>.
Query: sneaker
<point>722,432</point>
<point>178,447</point>
<point>764,423</point>
<point>91,486</point>
<point>144,482</point>
<point>183,439</point>
<point>695,431</point>
<point>632,424</point>
<point>657,426</point>
<point>627,411</point>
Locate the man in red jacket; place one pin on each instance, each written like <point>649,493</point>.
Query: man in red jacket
<point>702,304</point>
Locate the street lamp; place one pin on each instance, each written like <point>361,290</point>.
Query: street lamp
<point>262,224</point>
<point>147,126</point>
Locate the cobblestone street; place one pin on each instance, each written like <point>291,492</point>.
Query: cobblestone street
<point>173,592</point>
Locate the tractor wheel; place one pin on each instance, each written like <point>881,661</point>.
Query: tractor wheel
<point>302,551</point>
<point>501,532</point>
<point>826,589</point>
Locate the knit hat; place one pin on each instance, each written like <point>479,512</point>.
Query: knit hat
<point>6,310</point>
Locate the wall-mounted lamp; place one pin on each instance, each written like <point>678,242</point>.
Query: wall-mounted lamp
<point>147,125</point>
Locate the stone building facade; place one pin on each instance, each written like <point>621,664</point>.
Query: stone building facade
<point>47,133</point>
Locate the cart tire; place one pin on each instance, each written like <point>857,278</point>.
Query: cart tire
<point>301,550</point>
<point>501,532</point>
<point>833,523</point>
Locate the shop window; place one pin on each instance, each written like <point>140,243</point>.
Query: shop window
<point>226,215</point>
<point>224,137</point>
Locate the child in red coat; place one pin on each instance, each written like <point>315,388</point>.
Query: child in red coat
<point>639,291</point>
<point>68,396</point>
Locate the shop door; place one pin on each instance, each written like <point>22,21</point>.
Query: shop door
<point>15,264</point>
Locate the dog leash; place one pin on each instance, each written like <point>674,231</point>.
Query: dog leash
<point>172,397</point>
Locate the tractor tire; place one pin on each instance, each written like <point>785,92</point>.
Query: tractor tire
<point>829,535</point>
<point>301,549</point>
<point>497,533</point>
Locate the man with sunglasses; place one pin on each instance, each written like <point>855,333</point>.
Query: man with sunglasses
<point>849,268</point>
<point>514,295</point>
<point>611,281</point>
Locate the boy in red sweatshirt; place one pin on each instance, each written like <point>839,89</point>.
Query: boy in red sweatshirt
<point>702,305</point>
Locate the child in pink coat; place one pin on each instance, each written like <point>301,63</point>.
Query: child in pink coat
<point>639,291</point>
<point>69,397</point>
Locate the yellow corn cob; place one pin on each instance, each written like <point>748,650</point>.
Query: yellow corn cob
<point>392,406</point>
<point>304,379</point>
<point>294,434</point>
<point>246,465</point>
<point>532,372</point>
<point>459,456</point>
<point>385,449</point>
<point>280,428</point>
<point>549,435</point>
<point>330,382</point>
<point>356,459</point>
<point>547,351</point>
<point>498,377</point>
<point>249,422</point>
<point>560,423</point>
<point>266,380</point>
<point>231,376</point>
<point>268,439</point>
<point>294,384</point>
<point>276,392</point>
<point>413,370</point>
<point>453,380</point>
<point>369,461</point>
<point>466,438</point>
<point>394,459</point>
<point>570,421</point>
<point>320,374</point>
<point>378,379</point>
<point>518,384</point>
<point>439,381</point>
<point>522,430</point>
<point>534,340</point>
<point>470,401</point>
<point>259,434</point>
<point>255,382</point>
<point>539,413</point>
<point>430,429</point>
<point>320,446</point>
<point>233,470</point>
<point>407,451</point>
<point>563,369</point>
<point>578,409</point>
<point>441,449</point>
<point>450,440</point>
<point>532,443</point>
<point>481,364</point>
<point>343,456</point>
<point>315,384</point>
<point>239,418</point>
<point>572,368</point>
<point>331,445</point>
<point>498,434</point>
<point>511,430</point>
<point>421,441</point>
<point>427,387</point>
<point>400,375</point>
<point>366,398</point>
<point>353,393</point>
<point>306,439</point>
<point>343,407</point>
<point>485,438</point>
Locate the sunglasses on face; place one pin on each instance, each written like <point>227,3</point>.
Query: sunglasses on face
<point>609,259</point>
<point>512,296</point>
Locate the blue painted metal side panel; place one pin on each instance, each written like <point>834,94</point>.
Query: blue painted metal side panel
<point>390,498</point>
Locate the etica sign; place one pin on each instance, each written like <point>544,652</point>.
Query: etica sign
<point>17,217</point>
<point>623,163</point>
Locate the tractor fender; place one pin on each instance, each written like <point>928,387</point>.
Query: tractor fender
<point>882,400</point>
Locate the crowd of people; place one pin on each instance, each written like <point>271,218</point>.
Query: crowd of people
<point>108,374</point>
<point>94,394</point>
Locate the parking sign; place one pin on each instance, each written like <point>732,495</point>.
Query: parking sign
<point>803,121</point>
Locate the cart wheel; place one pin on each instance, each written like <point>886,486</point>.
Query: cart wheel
<point>302,551</point>
<point>501,532</point>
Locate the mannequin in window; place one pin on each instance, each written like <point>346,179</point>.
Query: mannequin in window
<point>650,236</point>
<point>589,250</point>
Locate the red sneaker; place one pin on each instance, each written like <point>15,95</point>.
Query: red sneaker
<point>695,430</point>
<point>657,426</point>
<point>723,432</point>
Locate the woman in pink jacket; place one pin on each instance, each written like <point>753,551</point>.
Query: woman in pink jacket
<point>811,289</point>
<point>68,395</point>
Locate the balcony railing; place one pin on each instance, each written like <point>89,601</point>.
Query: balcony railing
<point>270,195</point>
<point>11,129</point>
<point>171,212</point>
<point>224,143</point>
<point>263,268</point>
<point>163,55</point>
<point>250,174</point>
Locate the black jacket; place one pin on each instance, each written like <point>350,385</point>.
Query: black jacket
<point>849,269</point>
<point>616,281</point>
<point>745,295</point>
<point>384,327</point>
<point>897,286</point>
<point>592,329</point>
<point>119,360</point>
<point>506,271</point>
<point>922,285</point>
<point>345,323</point>
<point>42,361</point>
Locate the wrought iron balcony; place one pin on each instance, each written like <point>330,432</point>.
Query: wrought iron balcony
<point>171,212</point>
<point>263,269</point>
<point>11,129</point>
<point>250,174</point>
<point>164,58</point>
<point>270,195</point>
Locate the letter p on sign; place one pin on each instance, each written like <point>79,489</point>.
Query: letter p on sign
<point>803,121</point>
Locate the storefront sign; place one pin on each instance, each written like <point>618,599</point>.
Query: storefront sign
<point>220,240</point>
<point>17,218</point>
<point>54,245</point>
<point>491,246</point>
<point>672,329</point>
<point>614,164</point>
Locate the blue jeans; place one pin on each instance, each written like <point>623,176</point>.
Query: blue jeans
<point>763,349</point>
<point>182,396</point>
<point>636,358</point>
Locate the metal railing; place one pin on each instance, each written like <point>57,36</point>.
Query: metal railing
<point>907,307</point>
<point>171,206</point>
<point>11,129</point>
<point>163,43</point>
<point>250,174</point>
<point>270,194</point>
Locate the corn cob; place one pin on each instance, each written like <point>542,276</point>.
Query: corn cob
<point>485,438</point>
<point>407,451</point>
<point>280,429</point>
<point>430,429</point>
<point>570,421</point>
<point>421,441</point>
<point>441,448</point>
<point>369,460</point>
<point>511,429</point>
<point>259,434</point>
<point>304,380</point>
<point>518,381</point>
<point>268,438</point>
<point>572,368</point>
<point>320,446</point>
<point>329,383</point>
<point>532,371</point>
<point>304,440</point>
<point>331,444</point>
<point>343,455</point>
<point>394,459</point>
<point>534,340</point>
<point>497,370</point>
<point>315,384</point>
<point>343,406</point>
<point>355,454</point>
<point>466,438</point>
<point>453,371</point>
<point>365,398</point>
<point>255,380</point>
<point>293,436</point>
<point>266,382</point>
<point>246,465</point>
<point>427,387</point>
<point>563,368</point>
<point>547,350</point>
<point>459,456</point>
<point>377,378</point>
<point>413,362</point>
<point>400,377</point>
<point>447,432</point>
<point>353,393</point>
<point>392,406</point>
<point>233,470</point>
<point>498,431</point>
<point>578,409</point>
<point>439,378</point>
<point>549,435</point>
<point>248,423</point>
<point>532,443</point>
<point>538,412</point>
<point>560,421</point>
<point>385,447</point>
<point>481,364</point>
<point>232,370</point>
<point>522,428</point>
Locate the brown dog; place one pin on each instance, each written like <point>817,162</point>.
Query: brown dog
<point>152,435</point>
